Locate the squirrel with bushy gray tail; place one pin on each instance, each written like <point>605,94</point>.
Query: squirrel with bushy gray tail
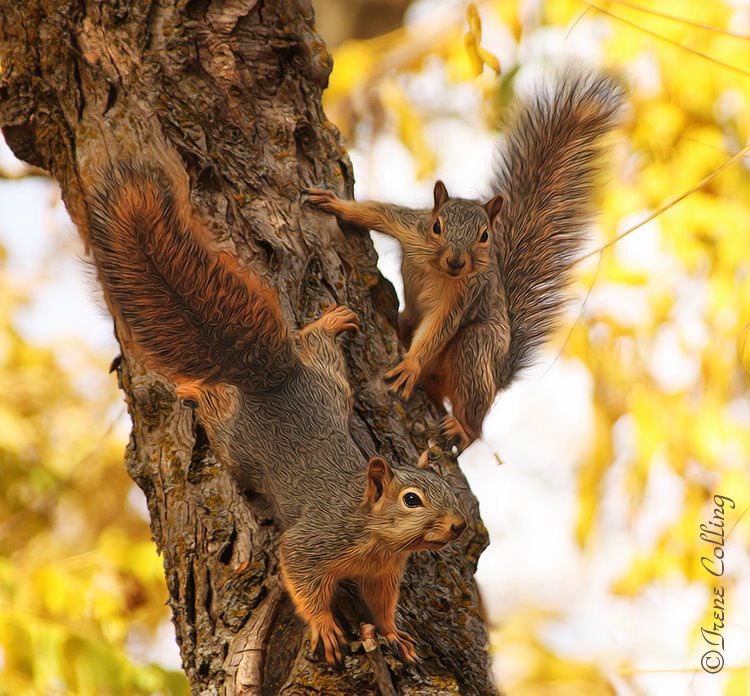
<point>484,282</point>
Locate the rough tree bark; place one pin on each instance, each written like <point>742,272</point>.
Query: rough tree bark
<point>234,88</point>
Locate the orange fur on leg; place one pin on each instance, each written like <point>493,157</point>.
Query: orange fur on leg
<point>381,594</point>
<point>314,606</point>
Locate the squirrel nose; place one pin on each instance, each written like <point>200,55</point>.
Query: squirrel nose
<point>456,263</point>
<point>458,529</point>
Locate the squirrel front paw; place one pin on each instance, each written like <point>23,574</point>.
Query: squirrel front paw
<point>335,645</point>
<point>338,319</point>
<point>403,645</point>
<point>404,376</point>
<point>324,199</point>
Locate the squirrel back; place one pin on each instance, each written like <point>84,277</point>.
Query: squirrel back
<point>546,173</point>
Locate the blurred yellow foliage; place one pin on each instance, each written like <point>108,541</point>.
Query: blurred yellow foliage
<point>80,582</point>
<point>81,585</point>
<point>544,671</point>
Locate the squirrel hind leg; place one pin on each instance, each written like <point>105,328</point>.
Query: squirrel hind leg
<point>407,325</point>
<point>435,383</point>
<point>471,384</point>
<point>215,402</point>
<point>320,352</point>
<point>452,429</point>
<point>471,402</point>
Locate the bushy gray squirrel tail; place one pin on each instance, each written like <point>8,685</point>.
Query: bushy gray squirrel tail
<point>546,169</point>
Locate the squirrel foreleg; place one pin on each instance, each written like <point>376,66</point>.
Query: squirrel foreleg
<point>437,327</point>
<point>397,222</point>
<point>381,595</point>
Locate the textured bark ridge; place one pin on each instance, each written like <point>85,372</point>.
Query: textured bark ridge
<point>233,90</point>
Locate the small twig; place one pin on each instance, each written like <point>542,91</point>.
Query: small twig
<point>27,171</point>
<point>744,151</point>
<point>666,39</point>
<point>575,23</point>
<point>377,661</point>
<point>683,20</point>
<point>580,312</point>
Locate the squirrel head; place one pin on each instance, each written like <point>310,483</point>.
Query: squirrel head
<point>461,232</point>
<point>410,509</point>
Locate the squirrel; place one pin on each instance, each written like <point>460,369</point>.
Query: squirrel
<point>484,283</point>
<point>274,403</point>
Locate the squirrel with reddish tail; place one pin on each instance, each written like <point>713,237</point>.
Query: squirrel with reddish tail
<point>484,283</point>
<point>274,403</point>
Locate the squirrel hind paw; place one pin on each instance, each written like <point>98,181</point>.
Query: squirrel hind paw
<point>339,319</point>
<point>333,321</point>
<point>402,645</point>
<point>452,429</point>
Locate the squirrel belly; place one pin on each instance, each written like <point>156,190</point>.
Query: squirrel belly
<point>274,403</point>
<point>484,284</point>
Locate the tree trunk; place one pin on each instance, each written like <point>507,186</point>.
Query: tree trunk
<point>233,87</point>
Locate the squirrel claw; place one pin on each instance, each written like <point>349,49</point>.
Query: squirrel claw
<point>322,198</point>
<point>404,377</point>
<point>402,645</point>
<point>452,428</point>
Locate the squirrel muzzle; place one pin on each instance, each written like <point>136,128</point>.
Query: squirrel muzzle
<point>448,529</point>
<point>455,263</point>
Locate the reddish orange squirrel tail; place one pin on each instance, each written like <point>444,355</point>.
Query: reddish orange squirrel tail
<point>195,312</point>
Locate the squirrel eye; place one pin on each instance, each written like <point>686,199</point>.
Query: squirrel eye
<point>485,236</point>
<point>412,500</point>
<point>436,227</point>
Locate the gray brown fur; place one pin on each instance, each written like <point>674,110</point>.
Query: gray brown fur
<point>546,171</point>
<point>477,306</point>
<point>215,329</point>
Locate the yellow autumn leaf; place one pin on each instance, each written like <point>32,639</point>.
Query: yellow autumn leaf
<point>489,59</point>
<point>474,21</point>
<point>471,46</point>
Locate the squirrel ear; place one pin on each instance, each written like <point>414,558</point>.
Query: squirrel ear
<point>440,193</point>
<point>379,475</point>
<point>493,207</point>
